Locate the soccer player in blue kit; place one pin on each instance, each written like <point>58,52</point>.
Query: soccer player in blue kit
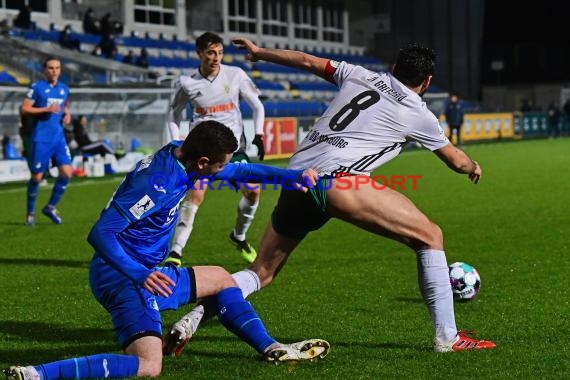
<point>132,237</point>
<point>47,102</point>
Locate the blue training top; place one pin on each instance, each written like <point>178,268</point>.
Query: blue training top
<point>134,231</point>
<point>47,126</point>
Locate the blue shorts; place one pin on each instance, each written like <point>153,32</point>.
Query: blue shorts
<point>42,152</point>
<point>134,311</point>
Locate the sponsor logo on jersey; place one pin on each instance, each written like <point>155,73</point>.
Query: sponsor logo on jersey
<point>143,205</point>
<point>217,108</point>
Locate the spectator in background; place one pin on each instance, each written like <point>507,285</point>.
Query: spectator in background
<point>142,60</point>
<point>566,110</point>
<point>108,46</point>
<point>454,117</point>
<point>105,25</point>
<point>89,23</point>
<point>553,118</point>
<point>67,41</point>
<point>24,19</point>
<point>84,142</point>
<point>527,106</point>
<point>96,51</point>
<point>129,58</point>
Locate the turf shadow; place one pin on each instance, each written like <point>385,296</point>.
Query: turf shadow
<point>47,332</point>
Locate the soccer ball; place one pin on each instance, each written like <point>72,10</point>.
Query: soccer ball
<point>465,281</point>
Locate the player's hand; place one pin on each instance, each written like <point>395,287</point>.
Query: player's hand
<point>66,118</point>
<point>158,284</point>
<point>54,108</point>
<point>258,142</point>
<point>252,49</point>
<point>309,181</point>
<point>475,176</point>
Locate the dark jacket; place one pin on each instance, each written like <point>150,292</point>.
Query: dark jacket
<point>454,114</point>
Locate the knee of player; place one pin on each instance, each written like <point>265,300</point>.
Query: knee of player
<point>253,193</point>
<point>435,236</point>
<point>149,368</point>
<point>223,279</point>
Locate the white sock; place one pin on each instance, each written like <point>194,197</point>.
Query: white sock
<point>245,214</point>
<point>248,281</point>
<point>184,227</point>
<point>433,276</point>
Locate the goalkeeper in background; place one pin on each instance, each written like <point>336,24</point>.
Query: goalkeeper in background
<point>214,90</point>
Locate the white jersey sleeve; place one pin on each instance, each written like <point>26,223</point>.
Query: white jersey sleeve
<point>429,134</point>
<point>250,93</point>
<point>177,105</point>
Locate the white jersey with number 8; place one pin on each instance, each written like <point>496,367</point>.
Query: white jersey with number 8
<point>366,124</point>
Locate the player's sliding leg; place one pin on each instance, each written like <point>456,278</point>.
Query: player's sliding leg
<point>88,367</point>
<point>391,214</point>
<point>188,211</point>
<point>246,209</point>
<point>183,330</point>
<point>239,317</point>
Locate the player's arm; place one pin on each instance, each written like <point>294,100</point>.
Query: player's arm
<point>250,94</point>
<point>291,58</point>
<point>459,161</point>
<point>177,105</point>
<point>257,173</point>
<point>103,237</point>
<point>66,115</point>
<point>29,109</point>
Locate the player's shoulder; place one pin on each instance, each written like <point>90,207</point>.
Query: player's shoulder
<point>232,70</point>
<point>191,77</point>
<point>38,84</point>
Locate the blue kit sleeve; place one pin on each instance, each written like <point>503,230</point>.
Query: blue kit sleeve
<point>103,237</point>
<point>257,173</point>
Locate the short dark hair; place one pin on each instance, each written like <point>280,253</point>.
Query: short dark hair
<point>50,58</point>
<point>414,64</point>
<point>209,139</point>
<point>208,39</point>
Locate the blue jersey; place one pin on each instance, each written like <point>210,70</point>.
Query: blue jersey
<point>147,201</point>
<point>149,198</point>
<point>47,126</point>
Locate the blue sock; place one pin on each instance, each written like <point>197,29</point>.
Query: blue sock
<point>101,366</point>
<point>238,316</point>
<point>58,190</point>
<point>33,187</point>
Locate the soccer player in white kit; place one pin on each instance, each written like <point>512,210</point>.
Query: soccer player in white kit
<point>214,91</point>
<point>365,126</point>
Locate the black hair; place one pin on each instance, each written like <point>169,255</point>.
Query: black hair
<point>208,39</point>
<point>50,58</point>
<point>414,64</point>
<point>209,139</point>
